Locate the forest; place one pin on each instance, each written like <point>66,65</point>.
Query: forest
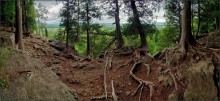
<point>136,58</point>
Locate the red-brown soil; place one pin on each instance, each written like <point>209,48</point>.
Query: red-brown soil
<point>87,77</point>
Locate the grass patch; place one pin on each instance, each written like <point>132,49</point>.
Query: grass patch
<point>5,53</point>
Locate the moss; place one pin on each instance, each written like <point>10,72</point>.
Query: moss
<point>5,53</point>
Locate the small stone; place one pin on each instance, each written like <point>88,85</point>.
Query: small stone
<point>127,93</point>
<point>129,84</point>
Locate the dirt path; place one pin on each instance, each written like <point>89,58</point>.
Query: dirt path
<point>87,77</point>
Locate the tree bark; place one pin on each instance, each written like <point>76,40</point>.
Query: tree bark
<point>218,18</point>
<point>18,36</point>
<point>180,19</point>
<point>118,29</point>
<point>46,32</point>
<point>186,37</point>
<point>198,19</point>
<point>78,29</point>
<point>87,29</point>
<point>138,24</point>
<point>68,25</point>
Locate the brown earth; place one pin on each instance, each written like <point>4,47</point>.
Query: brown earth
<point>87,76</point>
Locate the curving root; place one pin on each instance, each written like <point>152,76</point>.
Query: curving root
<point>141,82</point>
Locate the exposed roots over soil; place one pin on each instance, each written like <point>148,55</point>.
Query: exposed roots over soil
<point>141,82</point>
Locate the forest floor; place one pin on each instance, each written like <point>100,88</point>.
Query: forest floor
<point>87,77</point>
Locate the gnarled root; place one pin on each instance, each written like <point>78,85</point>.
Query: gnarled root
<point>140,81</point>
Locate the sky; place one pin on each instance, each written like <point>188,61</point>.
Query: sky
<point>53,13</point>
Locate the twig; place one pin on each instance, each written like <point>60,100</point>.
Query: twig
<point>115,98</point>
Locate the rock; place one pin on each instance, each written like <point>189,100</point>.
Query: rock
<point>58,45</point>
<point>58,70</point>
<point>33,81</point>
<point>174,97</point>
<point>55,61</point>
<point>127,93</point>
<point>36,46</point>
<point>7,39</point>
<point>201,85</point>
<point>166,80</point>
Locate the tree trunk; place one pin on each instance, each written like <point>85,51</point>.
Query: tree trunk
<point>18,36</point>
<point>67,26</point>
<point>198,19</point>
<point>78,29</point>
<point>180,19</point>
<point>118,29</point>
<point>138,24</point>
<point>46,33</point>
<point>87,30</point>
<point>186,37</point>
<point>218,18</point>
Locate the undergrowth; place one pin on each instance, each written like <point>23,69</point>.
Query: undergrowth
<point>5,53</point>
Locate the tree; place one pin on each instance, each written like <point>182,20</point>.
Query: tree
<point>90,11</point>
<point>41,14</point>
<point>173,16</point>
<point>218,17</point>
<point>18,36</point>
<point>138,24</point>
<point>29,16</point>
<point>9,11</point>
<point>186,37</point>
<point>113,12</point>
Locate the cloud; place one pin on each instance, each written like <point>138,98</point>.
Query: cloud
<point>53,8</point>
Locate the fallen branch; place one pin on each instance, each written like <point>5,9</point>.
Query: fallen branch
<point>115,98</point>
<point>141,81</point>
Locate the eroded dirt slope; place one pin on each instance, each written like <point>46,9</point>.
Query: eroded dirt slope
<point>154,79</point>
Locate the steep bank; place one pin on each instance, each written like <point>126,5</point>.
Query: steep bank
<point>29,79</point>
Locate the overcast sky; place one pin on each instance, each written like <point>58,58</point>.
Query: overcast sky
<point>54,8</point>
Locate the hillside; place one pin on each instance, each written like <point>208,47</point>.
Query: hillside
<point>136,75</point>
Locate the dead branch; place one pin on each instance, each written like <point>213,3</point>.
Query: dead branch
<point>141,81</point>
<point>115,98</point>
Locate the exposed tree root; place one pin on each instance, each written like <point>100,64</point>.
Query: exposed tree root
<point>115,98</point>
<point>148,69</point>
<point>102,97</point>
<point>105,83</point>
<point>141,81</point>
<point>125,64</point>
<point>168,71</point>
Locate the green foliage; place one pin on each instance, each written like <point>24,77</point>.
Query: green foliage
<point>9,11</point>
<point>31,16</point>
<point>165,37</point>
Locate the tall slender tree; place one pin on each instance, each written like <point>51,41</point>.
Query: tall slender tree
<point>118,27</point>
<point>186,37</point>
<point>89,10</point>
<point>18,36</point>
<point>138,24</point>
